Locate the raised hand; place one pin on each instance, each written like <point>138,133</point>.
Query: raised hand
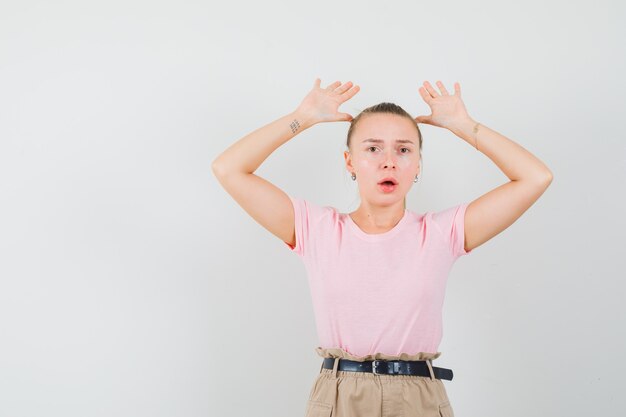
<point>448,111</point>
<point>321,104</point>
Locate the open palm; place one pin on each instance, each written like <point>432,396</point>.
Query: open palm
<point>321,104</point>
<point>447,110</point>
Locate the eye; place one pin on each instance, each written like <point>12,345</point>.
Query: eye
<point>371,147</point>
<point>407,150</point>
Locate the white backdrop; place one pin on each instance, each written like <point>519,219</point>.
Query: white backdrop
<point>132,284</point>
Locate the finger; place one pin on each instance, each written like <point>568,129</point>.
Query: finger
<point>317,82</point>
<point>345,116</point>
<point>333,86</point>
<point>422,119</point>
<point>425,95</point>
<point>442,88</point>
<point>350,93</point>
<point>457,89</point>
<point>343,88</point>
<point>430,89</point>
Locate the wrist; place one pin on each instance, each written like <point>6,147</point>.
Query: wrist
<point>465,130</point>
<point>304,119</point>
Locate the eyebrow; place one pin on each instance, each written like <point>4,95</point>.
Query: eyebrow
<point>382,141</point>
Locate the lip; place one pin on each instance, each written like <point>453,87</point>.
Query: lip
<point>392,179</point>
<point>388,191</point>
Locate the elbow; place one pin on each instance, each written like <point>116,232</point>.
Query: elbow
<point>549,176</point>
<point>221,170</point>
<point>217,168</point>
<point>542,180</point>
<point>544,175</point>
<point>547,179</point>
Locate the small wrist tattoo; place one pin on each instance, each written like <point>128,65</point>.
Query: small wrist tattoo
<point>476,135</point>
<point>294,126</point>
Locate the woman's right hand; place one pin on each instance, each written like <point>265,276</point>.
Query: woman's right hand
<point>321,104</point>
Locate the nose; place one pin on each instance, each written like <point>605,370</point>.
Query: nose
<point>389,160</point>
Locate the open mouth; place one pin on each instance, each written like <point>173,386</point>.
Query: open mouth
<point>388,185</point>
<point>389,181</point>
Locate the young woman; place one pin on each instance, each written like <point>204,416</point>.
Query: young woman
<point>378,275</point>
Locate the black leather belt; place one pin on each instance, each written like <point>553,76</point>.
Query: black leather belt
<point>389,367</point>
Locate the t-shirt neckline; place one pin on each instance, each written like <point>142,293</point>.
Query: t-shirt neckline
<point>374,237</point>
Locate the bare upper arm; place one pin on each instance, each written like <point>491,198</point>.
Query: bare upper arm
<point>267,204</point>
<point>497,209</point>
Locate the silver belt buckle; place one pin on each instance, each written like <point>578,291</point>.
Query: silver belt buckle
<point>374,367</point>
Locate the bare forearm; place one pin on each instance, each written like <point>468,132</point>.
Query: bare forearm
<point>516,162</point>
<point>249,152</point>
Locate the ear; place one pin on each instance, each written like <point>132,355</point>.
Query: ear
<point>348,158</point>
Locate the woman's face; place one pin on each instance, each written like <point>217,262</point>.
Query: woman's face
<point>384,145</point>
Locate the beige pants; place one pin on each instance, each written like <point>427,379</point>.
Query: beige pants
<point>362,394</point>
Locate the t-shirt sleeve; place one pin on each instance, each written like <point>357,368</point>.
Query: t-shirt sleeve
<point>306,216</point>
<point>451,222</point>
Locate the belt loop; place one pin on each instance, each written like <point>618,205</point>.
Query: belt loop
<point>335,366</point>
<point>429,362</point>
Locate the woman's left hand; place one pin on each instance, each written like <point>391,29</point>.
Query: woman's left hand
<point>448,111</point>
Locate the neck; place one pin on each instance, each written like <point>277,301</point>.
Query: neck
<point>379,217</point>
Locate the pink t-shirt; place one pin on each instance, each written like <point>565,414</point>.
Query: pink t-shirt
<point>378,292</point>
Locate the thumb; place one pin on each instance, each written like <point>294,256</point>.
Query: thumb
<point>422,119</point>
<point>345,116</point>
